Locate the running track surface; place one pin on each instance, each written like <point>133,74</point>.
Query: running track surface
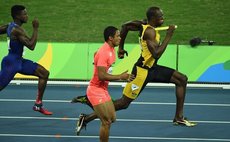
<point>148,119</point>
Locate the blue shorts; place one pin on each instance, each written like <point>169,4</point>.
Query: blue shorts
<point>12,64</point>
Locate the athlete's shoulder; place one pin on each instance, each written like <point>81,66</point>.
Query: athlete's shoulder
<point>148,31</point>
<point>16,30</point>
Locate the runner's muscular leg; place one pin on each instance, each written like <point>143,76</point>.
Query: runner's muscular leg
<point>107,115</point>
<point>122,103</point>
<point>119,104</point>
<point>43,75</point>
<point>180,81</point>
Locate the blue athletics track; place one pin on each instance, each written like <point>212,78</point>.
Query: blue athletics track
<point>148,119</point>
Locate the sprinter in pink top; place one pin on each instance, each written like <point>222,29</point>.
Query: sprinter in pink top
<point>97,91</point>
<point>105,57</point>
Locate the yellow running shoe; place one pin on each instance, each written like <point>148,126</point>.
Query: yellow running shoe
<point>184,122</point>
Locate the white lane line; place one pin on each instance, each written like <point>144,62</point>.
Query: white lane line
<point>188,104</point>
<point>122,120</point>
<point>115,137</point>
<point>113,83</point>
<point>137,103</point>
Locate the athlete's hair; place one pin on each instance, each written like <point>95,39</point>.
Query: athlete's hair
<point>109,31</point>
<point>151,12</point>
<point>16,9</point>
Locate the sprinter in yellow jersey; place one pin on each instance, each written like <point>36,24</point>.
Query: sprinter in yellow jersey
<point>146,68</point>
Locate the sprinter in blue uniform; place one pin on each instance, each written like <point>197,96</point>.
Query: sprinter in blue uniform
<point>14,62</point>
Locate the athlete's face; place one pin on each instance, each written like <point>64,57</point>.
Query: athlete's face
<point>23,16</point>
<point>116,39</point>
<point>159,18</point>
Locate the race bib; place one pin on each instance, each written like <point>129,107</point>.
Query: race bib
<point>110,70</point>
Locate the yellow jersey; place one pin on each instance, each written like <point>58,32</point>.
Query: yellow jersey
<point>146,59</point>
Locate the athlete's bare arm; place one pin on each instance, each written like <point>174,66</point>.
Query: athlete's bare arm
<point>104,76</point>
<point>126,27</point>
<point>19,34</point>
<point>153,46</point>
<point>3,29</point>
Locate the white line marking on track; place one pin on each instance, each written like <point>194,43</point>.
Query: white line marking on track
<point>122,120</point>
<point>137,103</point>
<point>188,104</point>
<point>115,137</point>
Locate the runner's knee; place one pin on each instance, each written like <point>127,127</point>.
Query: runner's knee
<point>107,122</point>
<point>45,74</point>
<point>113,119</point>
<point>184,80</point>
<point>180,80</point>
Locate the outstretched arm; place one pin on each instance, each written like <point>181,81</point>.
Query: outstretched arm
<point>3,29</point>
<point>19,34</point>
<point>126,27</point>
